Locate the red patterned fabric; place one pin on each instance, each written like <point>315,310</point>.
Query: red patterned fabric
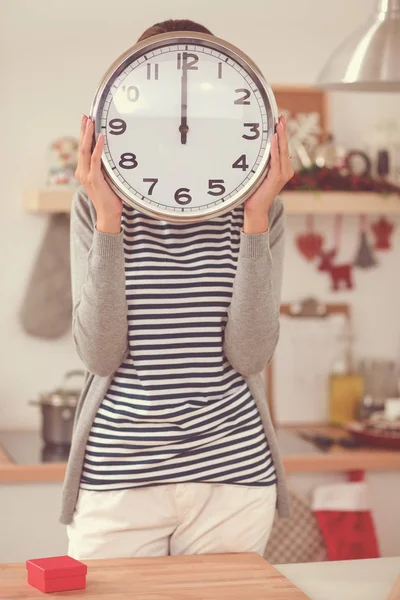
<point>344,517</point>
<point>348,535</point>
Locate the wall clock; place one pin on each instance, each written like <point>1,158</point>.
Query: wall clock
<point>187,121</point>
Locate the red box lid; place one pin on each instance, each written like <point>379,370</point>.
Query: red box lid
<point>56,566</point>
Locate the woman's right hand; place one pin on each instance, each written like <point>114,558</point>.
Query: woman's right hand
<point>89,174</point>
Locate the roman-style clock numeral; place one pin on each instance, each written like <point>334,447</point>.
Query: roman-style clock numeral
<point>152,70</point>
<point>117,126</point>
<point>187,60</point>
<point>153,183</point>
<point>240,163</point>
<point>216,187</point>
<point>128,161</point>
<point>255,128</point>
<point>132,92</point>
<point>243,99</point>
<point>182,196</point>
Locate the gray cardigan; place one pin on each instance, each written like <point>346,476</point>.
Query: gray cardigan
<point>100,327</point>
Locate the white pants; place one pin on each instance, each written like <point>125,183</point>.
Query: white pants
<point>183,518</point>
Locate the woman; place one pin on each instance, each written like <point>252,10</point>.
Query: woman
<point>173,449</point>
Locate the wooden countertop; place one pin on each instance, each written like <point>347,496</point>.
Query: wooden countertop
<point>296,460</point>
<point>339,459</point>
<point>201,577</point>
<point>229,576</point>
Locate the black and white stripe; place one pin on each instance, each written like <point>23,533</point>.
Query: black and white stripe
<point>176,410</point>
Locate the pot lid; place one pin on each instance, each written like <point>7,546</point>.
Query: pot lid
<point>60,398</point>
<point>64,395</point>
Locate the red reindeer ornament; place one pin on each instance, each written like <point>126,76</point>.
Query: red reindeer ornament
<point>341,274</point>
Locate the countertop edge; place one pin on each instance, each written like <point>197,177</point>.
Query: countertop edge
<point>336,460</point>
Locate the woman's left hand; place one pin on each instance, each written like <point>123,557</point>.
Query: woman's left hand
<point>281,171</point>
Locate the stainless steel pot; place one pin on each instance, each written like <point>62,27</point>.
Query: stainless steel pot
<point>58,411</point>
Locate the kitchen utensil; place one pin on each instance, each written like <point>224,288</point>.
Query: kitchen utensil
<point>381,380</point>
<point>58,411</point>
<point>326,442</point>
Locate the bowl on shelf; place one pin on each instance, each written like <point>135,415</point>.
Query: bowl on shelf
<point>377,432</point>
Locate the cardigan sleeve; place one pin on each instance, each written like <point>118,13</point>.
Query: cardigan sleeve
<point>99,321</point>
<point>252,328</point>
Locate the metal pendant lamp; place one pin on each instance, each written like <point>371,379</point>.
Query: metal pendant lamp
<point>369,59</point>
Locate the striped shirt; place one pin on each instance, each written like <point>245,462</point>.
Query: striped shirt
<point>176,410</point>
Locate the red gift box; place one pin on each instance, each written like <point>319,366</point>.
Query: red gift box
<point>56,574</point>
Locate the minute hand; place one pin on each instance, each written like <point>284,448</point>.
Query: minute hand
<point>184,126</point>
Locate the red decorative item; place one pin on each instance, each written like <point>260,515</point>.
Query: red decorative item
<point>56,574</point>
<point>323,178</point>
<point>340,274</point>
<point>343,513</point>
<point>309,244</point>
<point>382,230</point>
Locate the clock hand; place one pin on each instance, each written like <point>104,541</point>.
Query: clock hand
<point>183,128</point>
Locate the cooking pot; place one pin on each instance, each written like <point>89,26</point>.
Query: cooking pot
<point>58,411</point>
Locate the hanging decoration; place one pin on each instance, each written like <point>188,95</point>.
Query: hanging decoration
<point>309,244</point>
<point>382,229</point>
<point>341,275</point>
<point>364,258</point>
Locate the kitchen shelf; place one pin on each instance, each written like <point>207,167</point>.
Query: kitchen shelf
<point>56,200</point>
<point>345,203</point>
<point>48,200</point>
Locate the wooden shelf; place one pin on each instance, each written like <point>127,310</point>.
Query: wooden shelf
<point>56,200</point>
<point>48,200</point>
<point>345,203</point>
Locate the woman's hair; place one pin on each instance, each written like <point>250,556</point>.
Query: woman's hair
<point>173,25</point>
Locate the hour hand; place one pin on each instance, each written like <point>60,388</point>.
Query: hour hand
<point>184,128</point>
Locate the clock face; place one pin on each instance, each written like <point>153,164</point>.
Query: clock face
<point>187,125</point>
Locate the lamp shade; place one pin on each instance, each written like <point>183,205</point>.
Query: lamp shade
<point>369,59</point>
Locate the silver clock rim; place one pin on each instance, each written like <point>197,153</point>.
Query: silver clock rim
<point>186,37</point>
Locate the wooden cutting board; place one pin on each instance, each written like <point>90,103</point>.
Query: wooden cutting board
<point>202,577</point>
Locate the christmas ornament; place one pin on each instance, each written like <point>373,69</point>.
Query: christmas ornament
<point>340,274</point>
<point>62,161</point>
<point>344,514</point>
<point>358,163</point>
<point>383,143</point>
<point>382,230</point>
<point>303,135</point>
<point>309,244</point>
<point>364,258</point>
<point>328,154</point>
<point>316,178</point>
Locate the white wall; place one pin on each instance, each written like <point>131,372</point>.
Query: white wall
<point>53,54</point>
<point>29,523</point>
